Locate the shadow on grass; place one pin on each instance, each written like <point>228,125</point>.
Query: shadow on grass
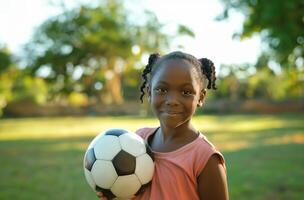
<point>266,172</point>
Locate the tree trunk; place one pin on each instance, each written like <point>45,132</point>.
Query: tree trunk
<point>112,92</point>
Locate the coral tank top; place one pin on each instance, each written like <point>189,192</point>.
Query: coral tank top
<point>176,172</point>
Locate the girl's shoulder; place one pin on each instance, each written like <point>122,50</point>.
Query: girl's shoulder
<point>205,150</point>
<point>204,142</point>
<point>204,145</point>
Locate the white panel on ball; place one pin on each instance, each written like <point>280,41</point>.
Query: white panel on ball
<point>119,188</point>
<point>107,147</point>
<point>104,173</point>
<point>92,144</point>
<point>89,178</point>
<point>133,144</point>
<point>144,168</point>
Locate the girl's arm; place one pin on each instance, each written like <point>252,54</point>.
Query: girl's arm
<point>212,182</point>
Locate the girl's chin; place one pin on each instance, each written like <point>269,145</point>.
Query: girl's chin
<point>171,123</point>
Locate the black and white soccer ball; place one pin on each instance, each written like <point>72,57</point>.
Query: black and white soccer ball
<point>118,163</point>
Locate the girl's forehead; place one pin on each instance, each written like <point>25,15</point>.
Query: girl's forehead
<point>176,71</point>
<point>175,66</point>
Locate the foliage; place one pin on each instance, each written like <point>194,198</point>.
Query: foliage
<point>16,85</point>
<point>7,76</point>
<point>6,83</point>
<point>244,82</point>
<point>78,99</point>
<point>29,89</point>
<point>91,54</point>
<point>5,58</point>
<point>87,45</point>
<point>279,23</point>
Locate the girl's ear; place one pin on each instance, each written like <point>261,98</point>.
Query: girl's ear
<point>202,97</point>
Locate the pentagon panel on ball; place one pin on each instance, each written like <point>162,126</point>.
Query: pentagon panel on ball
<point>118,163</point>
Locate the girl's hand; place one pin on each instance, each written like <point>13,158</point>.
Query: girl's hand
<point>101,197</point>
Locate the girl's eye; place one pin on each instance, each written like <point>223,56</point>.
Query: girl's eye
<point>186,93</point>
<point>160,90</point>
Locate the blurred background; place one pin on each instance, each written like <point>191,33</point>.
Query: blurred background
<point>70,69</point>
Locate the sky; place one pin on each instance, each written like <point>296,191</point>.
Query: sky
<point>19,18</point>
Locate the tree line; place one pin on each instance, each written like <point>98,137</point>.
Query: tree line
<point>92,54</point>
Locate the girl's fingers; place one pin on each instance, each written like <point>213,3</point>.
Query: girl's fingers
<point>100,196</point>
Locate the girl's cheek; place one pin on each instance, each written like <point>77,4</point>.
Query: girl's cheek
<point>156,102</point>
<point>156,97</point>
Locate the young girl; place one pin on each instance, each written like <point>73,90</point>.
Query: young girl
<point>187,165</point>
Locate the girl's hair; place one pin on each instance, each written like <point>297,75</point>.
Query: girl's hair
<point>204,67</point>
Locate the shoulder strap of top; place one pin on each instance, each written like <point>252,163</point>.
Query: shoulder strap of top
<point>145,132</point>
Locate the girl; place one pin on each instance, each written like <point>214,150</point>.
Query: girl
<point>187,165</point>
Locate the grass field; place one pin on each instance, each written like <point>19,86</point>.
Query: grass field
<point>41,158</point>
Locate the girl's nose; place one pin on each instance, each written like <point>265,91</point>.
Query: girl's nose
<point>171,99</point>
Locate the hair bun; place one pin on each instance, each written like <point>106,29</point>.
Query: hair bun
<point>152,58</point>
<point>209,70</point>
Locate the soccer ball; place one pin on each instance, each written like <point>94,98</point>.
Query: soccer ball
<point>118,163</point>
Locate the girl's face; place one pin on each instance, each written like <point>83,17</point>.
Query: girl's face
<point>175,92</point>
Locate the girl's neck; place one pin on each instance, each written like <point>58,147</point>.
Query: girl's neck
<point>181,132</point>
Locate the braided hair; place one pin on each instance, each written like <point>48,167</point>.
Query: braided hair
<point>204,67</point>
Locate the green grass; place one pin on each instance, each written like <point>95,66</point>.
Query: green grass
<point>41,158</point>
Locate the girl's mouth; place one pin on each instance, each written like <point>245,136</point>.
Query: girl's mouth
<point>171,112</point>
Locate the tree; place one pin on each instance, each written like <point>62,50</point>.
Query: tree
<point>6,75</point>
<point>278,22</point>
<point>5,58</point>
<point>86,49</point>
<point>16,84</point>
